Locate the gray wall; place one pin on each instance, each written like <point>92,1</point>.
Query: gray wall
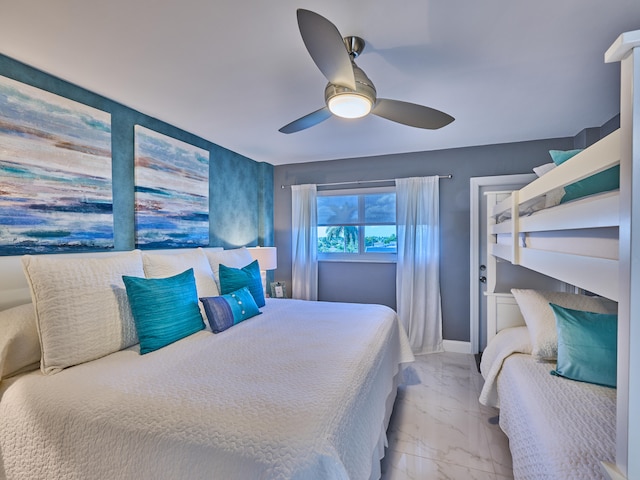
<point>375,282</point>
<point>240,189</point>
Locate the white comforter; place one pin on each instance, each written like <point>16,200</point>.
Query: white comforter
<point>557,428</point>
<point>505,343</point>
<point>298,392</point>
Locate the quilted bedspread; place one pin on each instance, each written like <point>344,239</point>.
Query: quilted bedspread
<point>505,343</point>
<point>298,392</point>
<point>557,428</point>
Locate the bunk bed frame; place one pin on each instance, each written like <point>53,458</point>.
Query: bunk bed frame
<point>614,217</point>
<point>591,213</point>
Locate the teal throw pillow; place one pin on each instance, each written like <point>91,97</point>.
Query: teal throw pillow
<point>561,156</point>
<point>164,309</point>
<point>587,346</point>
<point>604,181</point>
<point>232,279</point>
<point>230,309</point>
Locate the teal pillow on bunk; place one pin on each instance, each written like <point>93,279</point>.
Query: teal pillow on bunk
<point>587,346</point>
<point>228,310</point>
<point>561,156</point>
<point>164,309</point>
<point>232,279</point>
<point>604,181</point>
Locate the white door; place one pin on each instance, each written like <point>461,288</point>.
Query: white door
<point>478,308</point>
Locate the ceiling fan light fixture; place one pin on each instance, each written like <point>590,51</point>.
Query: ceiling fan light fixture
<point>349,105</point>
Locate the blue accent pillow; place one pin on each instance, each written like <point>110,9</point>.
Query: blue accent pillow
<point>587,346</point>
<point>164,309</point>
<point>230,309</point>
<point>604,181</point>
<point>232,279</point>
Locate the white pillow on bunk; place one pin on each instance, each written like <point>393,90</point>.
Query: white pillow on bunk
<point>553,197</point>
<point>541,321</point>
<point>542,169</point>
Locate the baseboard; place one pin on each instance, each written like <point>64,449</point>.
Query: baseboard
<point>456,346</point>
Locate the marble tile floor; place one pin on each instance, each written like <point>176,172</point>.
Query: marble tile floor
<point>439,430</point>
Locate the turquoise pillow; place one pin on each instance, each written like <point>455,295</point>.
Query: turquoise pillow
<point>232,279</point>
<point>604,181</point>
<point>587,346</point>
<point>228,310</point>
<point>561,156</point>
<point>164,309</point>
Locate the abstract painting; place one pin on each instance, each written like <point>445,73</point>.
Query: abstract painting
<point>55,173</point>
<point>171,192</point>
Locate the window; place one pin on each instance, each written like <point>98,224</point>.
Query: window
<point>357,224</point>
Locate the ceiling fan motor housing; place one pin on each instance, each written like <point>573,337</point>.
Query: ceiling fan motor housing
<point>364,87</point>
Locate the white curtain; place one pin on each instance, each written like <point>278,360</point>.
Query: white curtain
<point>304,242</point>
<point>418,268</point>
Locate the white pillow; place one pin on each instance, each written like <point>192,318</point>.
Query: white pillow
<point>553,197</point>
<point>541,322</point>
<point>160,265</point>
<point>542,169</point>
<point>234,258</point>
<point>19,343</point>
<point>81,306</point>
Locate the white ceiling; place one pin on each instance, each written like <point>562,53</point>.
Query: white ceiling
<point>235,71</point>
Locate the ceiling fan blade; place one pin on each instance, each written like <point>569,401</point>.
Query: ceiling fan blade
<point>307,121</point>
<point>411,114</point>
<point>326,47</point>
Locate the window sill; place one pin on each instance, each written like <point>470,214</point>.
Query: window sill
<point>359,259</point>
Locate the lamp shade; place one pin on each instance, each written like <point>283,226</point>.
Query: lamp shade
<point>267,257</point>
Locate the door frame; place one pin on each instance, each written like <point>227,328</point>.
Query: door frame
<point>476,184</point>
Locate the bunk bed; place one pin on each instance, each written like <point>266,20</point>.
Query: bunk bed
<point>560,428</point>
<point>572,240</point>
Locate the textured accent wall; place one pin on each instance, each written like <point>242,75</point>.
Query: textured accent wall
<point>240,189</point>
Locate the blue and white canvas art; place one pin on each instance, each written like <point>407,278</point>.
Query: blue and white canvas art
<point>171,192</point>
<point>55,173</point>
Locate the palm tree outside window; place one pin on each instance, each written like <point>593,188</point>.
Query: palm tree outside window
<point>357,224</point>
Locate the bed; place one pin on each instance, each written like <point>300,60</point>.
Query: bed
<point>562,427</point>
<point>299,390</point>
<point>558,428</point>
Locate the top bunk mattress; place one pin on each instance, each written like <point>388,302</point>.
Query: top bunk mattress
<point>604,205</point>
<point>557,428</point>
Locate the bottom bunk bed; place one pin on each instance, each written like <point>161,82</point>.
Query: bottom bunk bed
<point>558,428</point>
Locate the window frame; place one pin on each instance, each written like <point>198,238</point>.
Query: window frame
<point>361,256</point>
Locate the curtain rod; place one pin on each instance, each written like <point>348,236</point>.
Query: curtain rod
<point>361,182</point>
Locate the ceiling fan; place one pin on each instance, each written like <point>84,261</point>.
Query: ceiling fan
<point>350,93</point>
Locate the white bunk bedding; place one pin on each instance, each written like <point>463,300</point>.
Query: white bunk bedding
<point>557,428</point>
